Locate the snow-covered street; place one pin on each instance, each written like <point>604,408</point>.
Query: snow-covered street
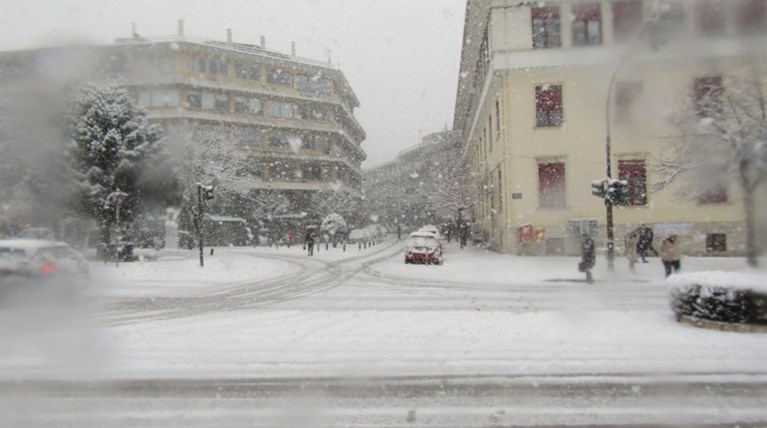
<point>279,322</point>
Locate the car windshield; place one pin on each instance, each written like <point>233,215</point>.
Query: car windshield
<point>422,241</point>
<point>386,213</point>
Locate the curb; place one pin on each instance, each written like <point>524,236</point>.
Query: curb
<point>723,326</point>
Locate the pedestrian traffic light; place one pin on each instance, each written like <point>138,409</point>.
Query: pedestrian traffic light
<point>618,192</point>
<point>207,192</point>
<point>598,188</point>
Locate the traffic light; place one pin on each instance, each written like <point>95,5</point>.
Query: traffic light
<point>207,192</point>
<point>618,192</point>
<point>599,188</point>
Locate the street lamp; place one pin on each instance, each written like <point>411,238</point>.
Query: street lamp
<point>118,199</point>
<point>609,202</point>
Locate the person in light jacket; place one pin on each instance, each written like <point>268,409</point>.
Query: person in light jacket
<point>670,253</point>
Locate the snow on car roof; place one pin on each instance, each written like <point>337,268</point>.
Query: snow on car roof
<point>421,234</point>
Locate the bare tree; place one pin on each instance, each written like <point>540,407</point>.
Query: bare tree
<point>268,204</point>
<point>723,139</point>
<point>214,153</point>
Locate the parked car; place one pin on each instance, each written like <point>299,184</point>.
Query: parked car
<point>41,259</point>
<point>433,230</point>
<point>423,247</point>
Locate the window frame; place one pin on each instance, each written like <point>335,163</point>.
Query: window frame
<point>547,200</point>
<point>585,16</point>
<point>546,27</point>
<point>637,183</point>
<point>548,101</point>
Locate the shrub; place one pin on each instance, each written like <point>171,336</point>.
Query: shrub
<point>732,297</point>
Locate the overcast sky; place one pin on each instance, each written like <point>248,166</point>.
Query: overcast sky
<point>401,57</point>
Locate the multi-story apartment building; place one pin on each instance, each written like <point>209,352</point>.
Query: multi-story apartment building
<point>273,100</point>
<point>550,90</point>
<point>409,189</point>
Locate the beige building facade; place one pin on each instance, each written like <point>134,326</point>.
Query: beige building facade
<point>293,115</point>
<point>543,84</point>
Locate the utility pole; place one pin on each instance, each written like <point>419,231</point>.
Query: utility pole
<point>204,193</point>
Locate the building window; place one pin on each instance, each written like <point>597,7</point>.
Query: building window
<point>317,142</point>
<point>217,66</point>
<point>551,185</point>
<point>194,99</point>
<point>708,94</point>
<point>750,17</point>
<point>313,85</point>
<point>715,196</point>
<point>253,137</point>
<point>627,17</point>
<point>208,100</point>
<point>548,105</point>
<point>587,24</point>
<point>313,112</point>
<point>634,172</point>
<point>312,171</point>
<point>247,105</point>
<point>221,103</point>
<point>709,18</point>
<point>279,109</point>
<point>280,77</point>
<point>546,27</point>
<point>280,139</point>
<point>248,72</point>
<point>716,242</point>
<point>626,95</point>
<point>158,98</point>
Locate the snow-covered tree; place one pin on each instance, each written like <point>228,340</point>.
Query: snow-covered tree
<point>334,227</point>
<point>267,204</point>
<point>208,154</point>
<point>114,147</point>
<point>324,203</point>
<point>723,139</point>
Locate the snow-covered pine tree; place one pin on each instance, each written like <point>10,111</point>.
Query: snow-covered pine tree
<point>113,146</point>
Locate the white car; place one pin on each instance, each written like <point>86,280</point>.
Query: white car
<point>41,259</point>
<point>433,230</point>
<point>423,247</point>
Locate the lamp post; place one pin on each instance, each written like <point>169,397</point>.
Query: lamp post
<point>608,155</point>
<point>118,198</point>
<point>204,193</point>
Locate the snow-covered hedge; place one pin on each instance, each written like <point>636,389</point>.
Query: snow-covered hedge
<point>734,297</point>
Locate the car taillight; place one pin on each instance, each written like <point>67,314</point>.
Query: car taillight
<point>46,268</point>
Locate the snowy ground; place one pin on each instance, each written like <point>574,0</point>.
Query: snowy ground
<point>480,313</point>
<point>278,314</point>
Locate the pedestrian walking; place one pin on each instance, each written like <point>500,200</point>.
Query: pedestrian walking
<point>671,254</point>
<point>309,242</point>
<point>632,254</point>
<point>644,243</point>
<point>588,256</point>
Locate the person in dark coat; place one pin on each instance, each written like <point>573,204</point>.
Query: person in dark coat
<point>309,241</point>
<point>588,256</point>
<point>644,243</point>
